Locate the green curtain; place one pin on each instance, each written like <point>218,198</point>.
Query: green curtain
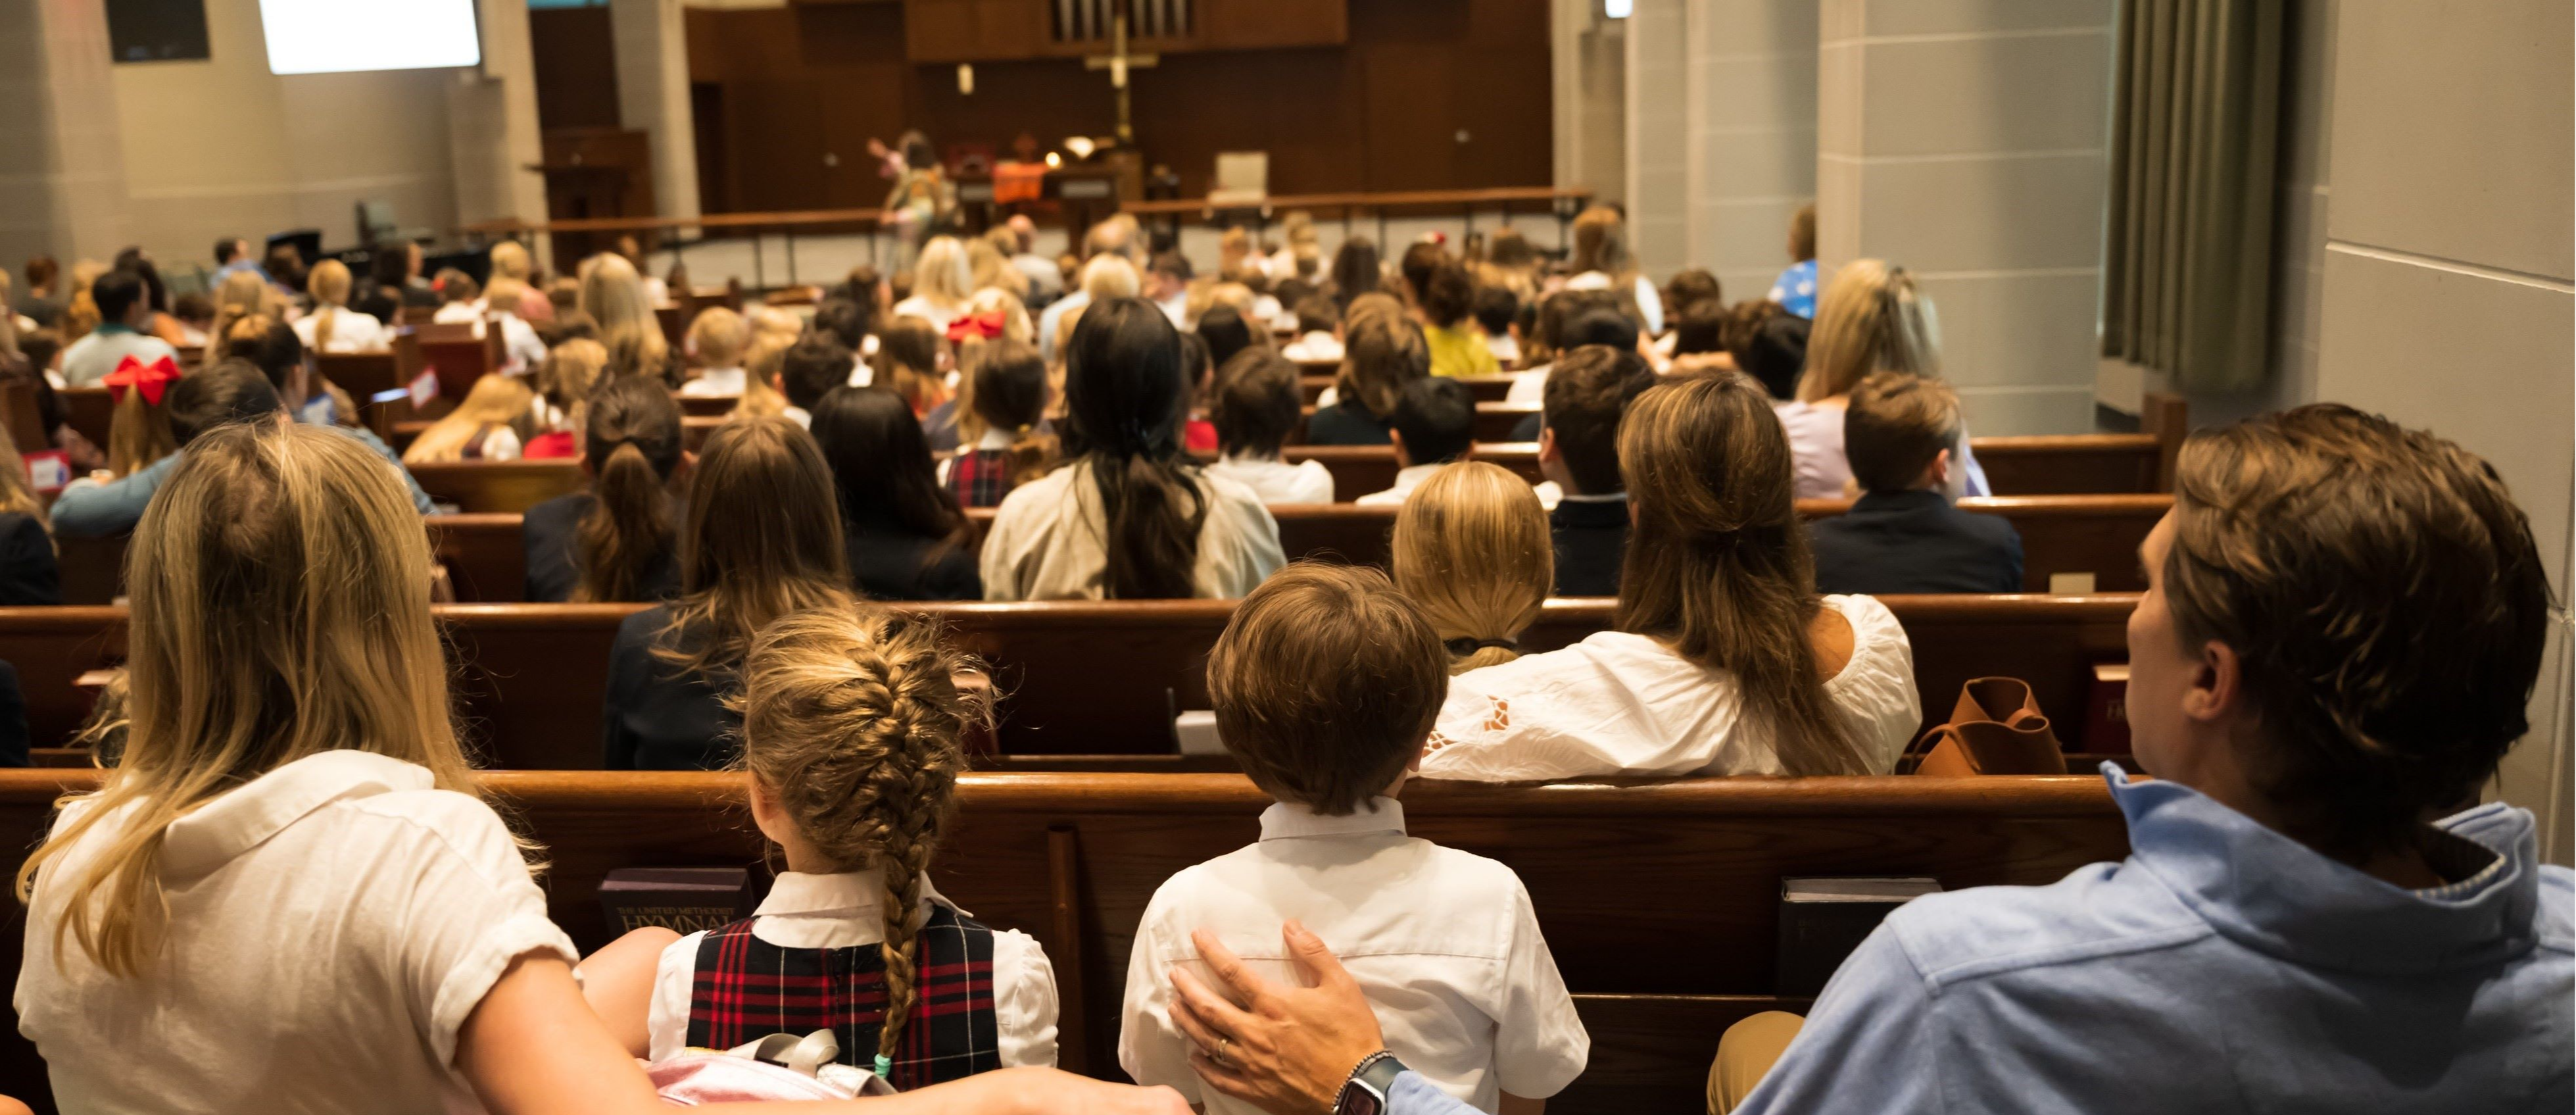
<point>2195,123</point>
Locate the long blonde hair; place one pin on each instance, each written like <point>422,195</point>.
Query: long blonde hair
<point>566,378</point>
<point>1871,319</point>
<point>762,539</point>
<point>1601,244</point>
<point>139,433</point>
<point>943,276</point>
<point>328,283</point>
<point>852,720</point>
<point>1472,549</point>
<point>1717,565</point>
<point>243,294</point>
<point>15,493</point>
<point>280,609</point>
<point>497,400</point>
<point>613,295</point>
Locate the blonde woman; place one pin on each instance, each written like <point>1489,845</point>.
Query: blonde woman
<point>485,427</point>
<point>242,294</point>
<point>942,280</point>
<point>1602,261</point>
<point>1723,659</point>
<point>28,575</point>
<point>290,747</point>
<point>554,407</point>
<point>1472,549</point>
<point>1871,319</point>
<point>613,295</point>
<point>510,261</point>
<point>333,326</point>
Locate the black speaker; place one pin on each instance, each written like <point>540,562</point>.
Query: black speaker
<point>157,30</point>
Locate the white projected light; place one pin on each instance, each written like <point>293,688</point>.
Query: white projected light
<point>337,36</point>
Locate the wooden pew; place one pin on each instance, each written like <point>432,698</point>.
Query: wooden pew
<point>1495,421</point>
<point>694,429</point>
<point>530,678</point>
<point>2079,463</point>
<point>1487,389</point>
<point>1691,867</point>
<point>499,486</point>
<point>89,411</point>
<point>716,406</point>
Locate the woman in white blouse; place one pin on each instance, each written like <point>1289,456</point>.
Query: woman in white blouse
<point>1723,659</point>
<point>942,280</point>
<point>333,326</point>
<point>292,883</point>
<point>1871,319</point>
<point>1602,262</point>
<point>1130,519</point>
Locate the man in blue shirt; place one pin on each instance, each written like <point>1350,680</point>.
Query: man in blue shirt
<point>232,253</point>
<point>232,391</point>
<point>2343,624</point>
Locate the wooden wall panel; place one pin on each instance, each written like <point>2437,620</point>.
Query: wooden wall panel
<point>1380,111</point>
<point>1242,24</point>
<point>576,68</point>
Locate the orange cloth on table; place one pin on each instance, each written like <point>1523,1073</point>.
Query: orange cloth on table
<point>1018,182</point>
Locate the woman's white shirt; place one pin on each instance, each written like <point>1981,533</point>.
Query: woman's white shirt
<point>1048,540</point>
<point>1621,703</point>
<point>937,315</point>
<point>332,924</point>
<point>1650,302</point>
<point>841,911</point>
<point>1277,481</point>
<point>351,331</point>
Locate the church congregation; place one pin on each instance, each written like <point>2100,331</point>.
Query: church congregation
<point>1116,650</point>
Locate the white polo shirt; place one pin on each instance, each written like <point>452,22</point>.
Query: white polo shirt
<point>1444,942</point>
<point>332,923</point>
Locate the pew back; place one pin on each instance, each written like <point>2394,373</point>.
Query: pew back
<point>1077,677</point>
<point>1658,969</point>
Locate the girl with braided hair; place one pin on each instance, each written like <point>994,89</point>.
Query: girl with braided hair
<point>851,722</point>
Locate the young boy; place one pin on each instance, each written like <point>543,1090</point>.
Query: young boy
<point>1256,408</point>
<point>1903,535</point>
<point>810,370</point>
<point>1435,425</point>
<point>717,340</point>
<point>1588,391</point>
<point>1325,687</point>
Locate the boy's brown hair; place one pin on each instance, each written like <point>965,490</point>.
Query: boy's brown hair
<point>2387,606</point>
<point>1896,424</point>
<point>1325,684</point>
<point>1587,392</point>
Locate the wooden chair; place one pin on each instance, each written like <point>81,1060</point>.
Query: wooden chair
<point>89,411</point>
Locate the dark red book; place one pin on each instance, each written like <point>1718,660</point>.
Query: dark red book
<point>2106,710</point>
<point>683,899</point>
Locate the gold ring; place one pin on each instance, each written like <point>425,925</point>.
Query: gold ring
<point>1222,1044</point>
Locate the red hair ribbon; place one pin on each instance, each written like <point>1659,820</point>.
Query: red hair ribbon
<point>153,378</point>
<point>983,326</point>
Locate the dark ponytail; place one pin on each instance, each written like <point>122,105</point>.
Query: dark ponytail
<point>1123,397</point>
<point>632,443</point>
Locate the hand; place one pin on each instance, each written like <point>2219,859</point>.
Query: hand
<point>1288,1051</point>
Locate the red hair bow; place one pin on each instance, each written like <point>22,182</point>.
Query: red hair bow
<point>153,378</point>
<point>983,326</point>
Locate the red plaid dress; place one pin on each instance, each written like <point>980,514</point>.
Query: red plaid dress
<point>747,989</point>
<point>980,477</point>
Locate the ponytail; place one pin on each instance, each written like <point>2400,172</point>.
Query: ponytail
<point>632,433</point>
<point>138,434</point>
<point>322,323</point>
<point>628,529</point>
<point>1153,540</point>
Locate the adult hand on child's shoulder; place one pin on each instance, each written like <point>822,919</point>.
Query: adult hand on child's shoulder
<point>1286,1050</point>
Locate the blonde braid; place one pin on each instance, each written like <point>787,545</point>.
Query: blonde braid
<point>853,719</point>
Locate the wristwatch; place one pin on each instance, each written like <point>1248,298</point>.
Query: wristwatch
<point>1365,1092</point>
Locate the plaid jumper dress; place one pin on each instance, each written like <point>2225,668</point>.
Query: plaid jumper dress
<point>747,988</point>
<point>980,477</point>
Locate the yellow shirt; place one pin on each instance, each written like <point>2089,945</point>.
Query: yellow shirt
<point>1460,351</point>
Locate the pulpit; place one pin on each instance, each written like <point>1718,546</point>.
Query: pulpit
<point>596,172</point>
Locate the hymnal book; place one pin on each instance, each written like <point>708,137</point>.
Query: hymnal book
<point>2106,710</point>
<point>1823,919</point>
<point>682,899</point>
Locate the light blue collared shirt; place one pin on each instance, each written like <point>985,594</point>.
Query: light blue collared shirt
<point>2222,967</point>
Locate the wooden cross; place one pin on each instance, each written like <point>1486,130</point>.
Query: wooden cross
<point>1118,61</point>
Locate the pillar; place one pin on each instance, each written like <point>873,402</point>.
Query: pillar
<point>1658,122</point>
<point>62,165</point>
<point>1750,137</point>
<point>1969,144</point>
<point>492,125</point>
<point>653,95</point>
<point>1590,57</point>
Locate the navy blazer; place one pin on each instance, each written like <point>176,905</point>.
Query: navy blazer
<point>1901,542</point>
<point>658,716</point>
<point>1591,542</point>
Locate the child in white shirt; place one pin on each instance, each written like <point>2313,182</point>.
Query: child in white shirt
<point>717,338</point>
<point>1325,685</point>
<point>1434,425</point>
<point>1256,408</point>
<point>832,700</point>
